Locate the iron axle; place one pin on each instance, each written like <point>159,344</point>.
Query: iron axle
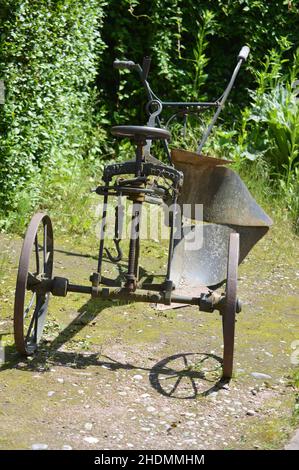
<point>59,286</point>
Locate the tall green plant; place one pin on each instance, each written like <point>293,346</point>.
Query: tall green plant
<point>277,116</point>
<point>197,75</point>
<point>271,125</point>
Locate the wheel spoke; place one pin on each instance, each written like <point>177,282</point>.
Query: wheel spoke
<point>30,326</point>
<point>29,305</point>
<point>34,320</point>
<point>172,375</point>
<point>35,327</point>
<point>175,385</point>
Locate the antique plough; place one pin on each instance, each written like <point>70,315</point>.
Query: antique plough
<point>227,227</point>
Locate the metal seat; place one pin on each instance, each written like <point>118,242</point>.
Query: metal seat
<point>140,132</point>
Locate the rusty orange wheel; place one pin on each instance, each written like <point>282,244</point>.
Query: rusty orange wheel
<point>36,264</point>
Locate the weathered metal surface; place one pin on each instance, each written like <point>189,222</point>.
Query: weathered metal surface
<point>227,206</point>
<point>26,339</point>
<point>249,236</point>
<point>195,159</point>
<point>187,290</point>
<point>229,312</point>
<point>225,198</point>
<point>215,300</point>
<point>205,266</point>
<point>150,167</point>
<point>137,132</point>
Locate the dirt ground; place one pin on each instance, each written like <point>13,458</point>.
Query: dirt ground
<point>121,376</point>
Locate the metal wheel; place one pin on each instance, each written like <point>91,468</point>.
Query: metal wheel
<point>229,313</point>
<point>36,264</point>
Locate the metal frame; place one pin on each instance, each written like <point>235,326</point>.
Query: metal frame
<point>41,285</point>
<point>181,106</point>
<point>138,189</point>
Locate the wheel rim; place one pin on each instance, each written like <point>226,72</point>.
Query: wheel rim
<point>229,314</point>
<point>36,260</point>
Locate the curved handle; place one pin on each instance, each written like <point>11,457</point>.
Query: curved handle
<point>243,54</point>
<point>124,64</point>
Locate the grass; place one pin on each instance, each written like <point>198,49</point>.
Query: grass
<point>68,198</point>
<point>3,263</point>
<point>295,383</point>
<point>69,195</point>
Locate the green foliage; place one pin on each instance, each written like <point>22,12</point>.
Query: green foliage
<point>290,194</point>
<point>198,76</point>
<point>276,119</point>
<point>181,34</point>
<point>295,382</point>
<point>49,53</point>
<point>272,119</point>
<point>72,207</point>
<point>270,130</point>
<point>62,93</point>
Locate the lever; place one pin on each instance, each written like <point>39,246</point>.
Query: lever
<point>118,228</point>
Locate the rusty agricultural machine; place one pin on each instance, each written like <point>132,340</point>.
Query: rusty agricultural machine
<point>232,222</point>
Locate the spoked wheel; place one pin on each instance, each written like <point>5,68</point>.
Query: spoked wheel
<point>31,303</point>
<point>229,313</point>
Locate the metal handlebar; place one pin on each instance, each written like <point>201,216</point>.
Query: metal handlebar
<point>124,64</point>
<point>146,67</point>
<point>243,54</point>
<point>219,104</point>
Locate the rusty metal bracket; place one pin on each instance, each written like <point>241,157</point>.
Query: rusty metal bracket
<point>60,286</point>
<point>215,301</point>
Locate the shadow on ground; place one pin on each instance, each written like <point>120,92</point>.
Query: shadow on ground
<point>49,354</point>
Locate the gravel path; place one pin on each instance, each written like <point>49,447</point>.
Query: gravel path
<point>112,376</point>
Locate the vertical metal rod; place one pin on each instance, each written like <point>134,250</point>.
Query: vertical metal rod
<point>45,248</point>
<point>136,267</point>
<point>36,254</point>
<point>220,106</point>
<point>171,241</point>
<point>139,155</point>
<point>102,235</point>
<point>36,326</point>
<point>134,238</point>
<point>165,144</point>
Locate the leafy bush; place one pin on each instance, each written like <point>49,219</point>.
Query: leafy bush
<point>181,35</point>
<point>271,125</point>
<point>62,92</point>
<point>276,115</point>
<point>49,54</point>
